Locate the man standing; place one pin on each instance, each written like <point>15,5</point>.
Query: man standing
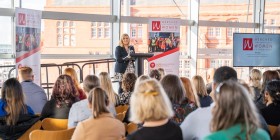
<point>35,96</point>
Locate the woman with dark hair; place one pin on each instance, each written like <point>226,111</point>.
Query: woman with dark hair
<point>128,83</point>
<point>155,74</point>
<point>271,112</point>
<point>63,96</point>
<point>15,116</point>
<point>102,125</point>
<point>176,93</point>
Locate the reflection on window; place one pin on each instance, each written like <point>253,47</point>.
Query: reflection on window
<point>66,40</point>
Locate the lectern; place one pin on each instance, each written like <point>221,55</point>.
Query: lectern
<point>139,61</point>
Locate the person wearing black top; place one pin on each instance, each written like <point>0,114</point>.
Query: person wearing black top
<point>124,62</point>
<point>271,112</point>
<point>151,106</point>
<point>63,96</point>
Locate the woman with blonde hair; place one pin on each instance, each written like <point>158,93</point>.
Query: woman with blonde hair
<point>150,105</point>
<point>72,73</point>
<point>201,91</point>
<point>106,84</point>
<point>102,125</point>
<point>124,63</point>
<point>234,115</point>
<point>255,82</point>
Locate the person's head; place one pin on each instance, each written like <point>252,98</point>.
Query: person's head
<point>140,79</point>
<point>12,94</point>
<point>255,78</point>
<point>98,102</point>
<point>25,74</point>
<point>64,91</point>
<point>210,74</point>
<point>149,102</point>
<point>125,40</point>
<point>223,74</point>
<point>155,74</point>
<point>90,82</point>
<point>128,82</point>
<point>199,85</point>
<point>162,72</point>
<point>233,98</point>
<point>72,73</point>
<point>272,91</point>
<point>174,88</point>
<point>106,84</point>
<point>268,76</point>
<point>190,93</point>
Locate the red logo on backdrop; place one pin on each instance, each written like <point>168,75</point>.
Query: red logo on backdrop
<point>21,19</point>
<point>156,26</point>
<point>152,65</point>
<point>247,44</point>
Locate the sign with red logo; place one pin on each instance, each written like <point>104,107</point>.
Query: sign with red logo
<point>156,26</point>
<point>21,19</point>
<point>152,65</point>
<point>248,44</point>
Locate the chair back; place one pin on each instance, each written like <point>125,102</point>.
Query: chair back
<point>120,116</point>
<point>131,127</point>
<point>272,129</point>
<point>35,126</point>
<point>121,108</point>
<point>52,135</point>
<point>54,124</point>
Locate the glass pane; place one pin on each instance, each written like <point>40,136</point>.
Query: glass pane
<point>223,10</point>
<point>6,29</point>
<point>154,8</point>
<point>5,4</point>
<point>271,17</point>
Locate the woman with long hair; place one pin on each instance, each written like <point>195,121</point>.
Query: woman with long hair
<point>128,83</point>
<point>234,114</point>
<point>106,84</point>
<point>150,105</point>
<point>15,116</point>
<point>64,94</point>
<point>102,125</point>
<point>201,91</point>
<point>72,73</point>
<point>190,93</point>
<point>176,92</point>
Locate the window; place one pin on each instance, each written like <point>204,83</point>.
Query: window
<point>99,33</point>
<point>133,32</point>
<point>230,31</point>
<point>218,31</point>
<point>210,31</point>
<point>187,64</point>
<point>73,40</point>
<point>100,30</point>
<point>272,22</point>
<point>93,32</point>
<point>66,24</point>
<point>66,40</point>
<point>72,24</point>
<point>59,31</point>
<point>66,30</point>
<point>58,24</point>
<point>107,33</point>
<point>59,40</point>
<point>181,65</point>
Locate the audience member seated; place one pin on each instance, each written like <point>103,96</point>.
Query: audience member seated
<point>102,125</point>
<point>189,89</point>
<point>267,76</point>
<point>197,124</point>
<point>64,94</point>
<point>203,97</point>
<point>271,112</point>
<point>162,72</point>
<point>79,110</point>
<point>35,96</point>
<point>150,105</point>
<point>155,74</point>
<point>176,93</point>
<point>139,79</point>
<point>15,117</point>
<point>106,84</point>
<point>72,73</point>
<point>234,114</point>
<point>128,83</point>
